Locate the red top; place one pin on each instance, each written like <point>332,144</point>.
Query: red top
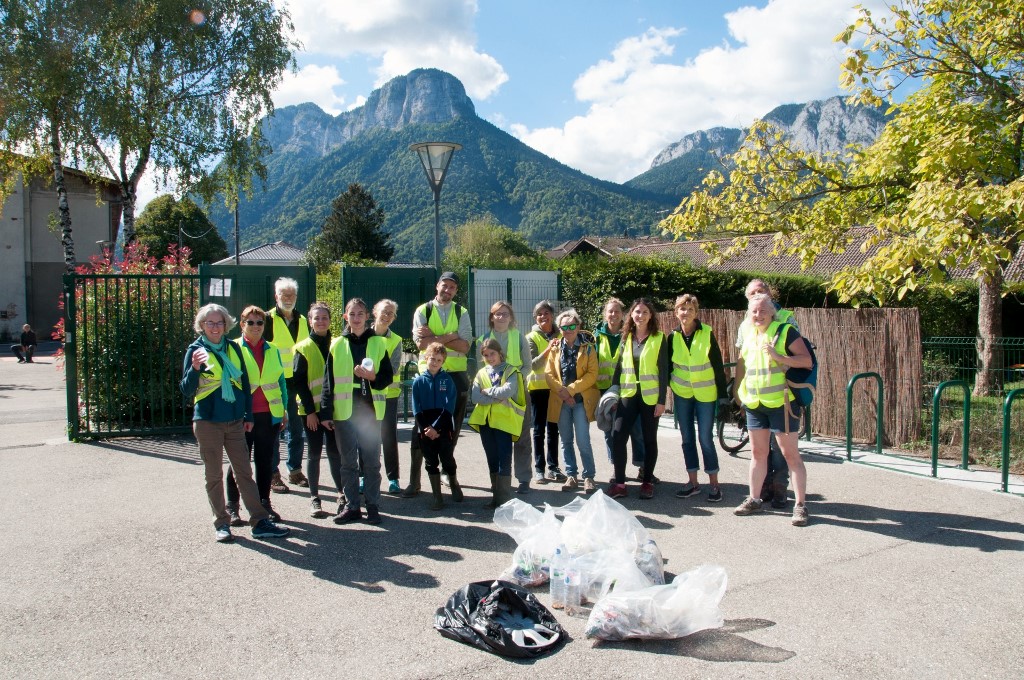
<point>259,400</point>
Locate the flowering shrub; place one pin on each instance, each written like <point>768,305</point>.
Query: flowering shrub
<point>132,322</point>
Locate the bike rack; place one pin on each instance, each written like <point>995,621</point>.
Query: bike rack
<point>849,413</point>
<point>1007,407</point>
<point>935,423</point>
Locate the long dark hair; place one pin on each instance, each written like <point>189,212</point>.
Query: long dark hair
<point>652,323</point>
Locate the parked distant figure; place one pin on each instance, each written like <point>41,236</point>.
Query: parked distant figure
<point>214,375</point>
<point>27,347</point>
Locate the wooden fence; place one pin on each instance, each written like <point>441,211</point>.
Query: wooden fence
<point>850,341</point>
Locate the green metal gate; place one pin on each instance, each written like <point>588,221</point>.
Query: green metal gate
<point>238,286</point>
<point>410,287</point>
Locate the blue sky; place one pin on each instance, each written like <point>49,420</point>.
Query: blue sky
<point>601,86</point>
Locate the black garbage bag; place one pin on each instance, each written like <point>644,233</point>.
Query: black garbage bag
<point>501,618</point>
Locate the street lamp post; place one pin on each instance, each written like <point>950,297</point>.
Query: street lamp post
<point>435,157</point>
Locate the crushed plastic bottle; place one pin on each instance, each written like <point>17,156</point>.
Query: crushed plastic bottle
<point>559,563</point>
<point>573,590</point>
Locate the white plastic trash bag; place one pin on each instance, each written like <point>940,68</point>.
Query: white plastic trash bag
<point>602,570</point>
<point>537,535</point>
<point>689,604</point>
<point>604,524</point>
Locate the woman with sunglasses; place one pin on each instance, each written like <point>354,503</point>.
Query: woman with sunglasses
<point>642,375</point>
<point>516,349</point>
<point>571,374</point>
<point>269,394</point>
<point>214,376</point>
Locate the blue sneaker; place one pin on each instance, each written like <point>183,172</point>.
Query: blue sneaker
<point>224,534</point>
<point>394,487</point>
<point>265,528</point>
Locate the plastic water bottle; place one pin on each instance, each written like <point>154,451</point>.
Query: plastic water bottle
<point>573,590</point>
<point>557,577</point>
<point>367,364</point>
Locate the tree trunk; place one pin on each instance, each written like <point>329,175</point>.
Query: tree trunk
<point>63,207</point>
<point>128,214</point>
<point>989,378</point>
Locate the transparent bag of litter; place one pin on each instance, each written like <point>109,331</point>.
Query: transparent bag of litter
<point>689,604</point>
<point>536,534</point>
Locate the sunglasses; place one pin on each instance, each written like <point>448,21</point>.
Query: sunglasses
<point>568,327</point>
<point>257,322</point>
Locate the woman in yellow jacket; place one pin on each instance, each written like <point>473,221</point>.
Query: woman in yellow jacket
<point>571,373</point>
<point>768,351</point>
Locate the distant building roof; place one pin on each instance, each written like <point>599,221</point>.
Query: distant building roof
<point>601,245</point>
<point>757,256</point>
<point>280,252</point>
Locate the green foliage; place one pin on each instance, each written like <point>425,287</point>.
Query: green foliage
<point>494,176</point>
<point>158,226</point>
<point>351,232</point>
<point>485,244</point>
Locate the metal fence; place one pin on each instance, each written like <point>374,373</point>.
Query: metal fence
<point>957,359</point>
<point>125,336</point>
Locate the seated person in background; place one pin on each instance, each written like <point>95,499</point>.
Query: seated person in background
<point>27,347</point>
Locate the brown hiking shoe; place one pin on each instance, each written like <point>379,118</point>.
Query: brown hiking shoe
<point>298,479</point>
<point>277,484</point>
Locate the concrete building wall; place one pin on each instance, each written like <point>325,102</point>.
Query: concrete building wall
<point>13,302</point>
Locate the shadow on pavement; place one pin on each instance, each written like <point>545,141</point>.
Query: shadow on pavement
<point>720,644</point>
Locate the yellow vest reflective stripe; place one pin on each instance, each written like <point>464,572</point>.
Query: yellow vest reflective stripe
<point>764,380</point>
<point>391,341</point>
<point>506,416</point>
<point>606,360</point>
<point>648,368</point>
<point>210,382</point>
<point>512,352</point>
<point>535,380</point>
<point>316,368</point>
<point>267,379</point>
<point>283,339</point>
<point>692,375</point>
<point>455,361</point>
<point>342,367</point>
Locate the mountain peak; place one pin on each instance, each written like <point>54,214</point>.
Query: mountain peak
<point>422,96</point>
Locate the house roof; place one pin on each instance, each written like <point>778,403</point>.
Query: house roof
<point>280,251</point>
<point>757,256</point>
<point>602,245</point>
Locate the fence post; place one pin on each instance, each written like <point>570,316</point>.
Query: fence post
<point>849,413</point>
<point>935,423</point>
<point>1007,407</point>
<point>70,360</point>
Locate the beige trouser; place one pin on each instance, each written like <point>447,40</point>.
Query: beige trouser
<point>215,439</point>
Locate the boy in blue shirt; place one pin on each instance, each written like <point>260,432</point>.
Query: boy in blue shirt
<point>433,404</point>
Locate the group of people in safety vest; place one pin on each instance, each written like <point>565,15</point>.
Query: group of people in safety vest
<point>542,387</point>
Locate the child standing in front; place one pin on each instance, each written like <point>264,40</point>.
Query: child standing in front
<point>433,403</point>
<point>500,408</point>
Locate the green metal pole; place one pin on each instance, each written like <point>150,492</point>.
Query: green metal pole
<point>849,412</point>
<point>1007,407</point>
<point>935,421</point>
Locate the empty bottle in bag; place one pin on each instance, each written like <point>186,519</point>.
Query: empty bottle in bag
<point>559,562</point>
<point>573,590</point>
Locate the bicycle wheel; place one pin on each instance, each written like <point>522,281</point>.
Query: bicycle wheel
<point>729,444</point>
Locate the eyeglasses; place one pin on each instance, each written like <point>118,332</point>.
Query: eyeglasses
<point>251,322</point>
<point>213,324</point>
<point>568,327</point>
<point>499,315</point>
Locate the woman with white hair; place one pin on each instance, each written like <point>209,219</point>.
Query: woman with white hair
<point>214,374</point>
<point>571,374</point>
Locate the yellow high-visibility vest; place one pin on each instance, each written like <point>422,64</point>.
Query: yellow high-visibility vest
<point>536,380</point>
<point>209,382</point>
<point>692,375</point>
<point>342,367</point>
<point>649,387</point>
<point>606,360</point>
<point>764,379</point>
<point>455,361</point>
<point>506,416</point>
<point>316,369</point>
<point>391,341</point>
<point>266,379</point>
<point>512,351</point>
<point>283,339</point>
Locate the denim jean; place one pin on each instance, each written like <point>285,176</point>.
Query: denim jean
<point>296,428</point>
<point>570,419</point>
<point>498,449</point>
<point>688,410</point>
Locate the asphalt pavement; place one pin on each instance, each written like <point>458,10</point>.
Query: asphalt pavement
<point>109,568</point>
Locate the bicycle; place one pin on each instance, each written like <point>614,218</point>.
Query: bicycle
<point>735,415</point>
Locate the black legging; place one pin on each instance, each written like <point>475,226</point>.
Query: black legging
<point>261,444</point>
<point>542,427</point>
<point>631,408</point>
<point>316,439</point>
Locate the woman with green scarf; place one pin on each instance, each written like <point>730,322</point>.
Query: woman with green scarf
<point>213,373</point>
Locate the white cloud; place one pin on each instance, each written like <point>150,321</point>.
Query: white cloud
<point>312,84</point>
<point>781,53</point>
<point>400,35</point>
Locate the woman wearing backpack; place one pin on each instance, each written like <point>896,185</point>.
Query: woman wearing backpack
<point>768,351</point>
